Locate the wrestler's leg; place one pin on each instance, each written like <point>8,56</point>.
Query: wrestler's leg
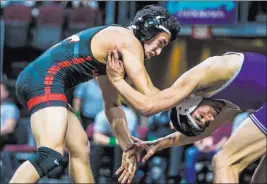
<point>49,130</point>
<point>260,174</point>
<point>246,145</point>
<point>79,150</point>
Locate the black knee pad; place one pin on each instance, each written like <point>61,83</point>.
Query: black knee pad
<point>45,159</point>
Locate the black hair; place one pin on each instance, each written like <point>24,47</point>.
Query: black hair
<point>171,22</point>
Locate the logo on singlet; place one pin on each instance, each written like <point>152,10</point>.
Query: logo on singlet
<point>56,162</point>
<point>74,38</point>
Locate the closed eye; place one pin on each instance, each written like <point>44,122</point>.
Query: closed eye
<point>163,43</point>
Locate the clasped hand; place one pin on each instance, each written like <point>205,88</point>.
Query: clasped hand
<point>115,69</point>
<point>132,155</point>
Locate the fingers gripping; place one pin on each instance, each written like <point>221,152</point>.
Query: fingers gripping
<point>148,155</point>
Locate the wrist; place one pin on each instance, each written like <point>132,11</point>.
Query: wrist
<point>159,144</point>
<point>117,81</point>
<point>126,146</point>
<point>112,141</point>
<point>78,114</point>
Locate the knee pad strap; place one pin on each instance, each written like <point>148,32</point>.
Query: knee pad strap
<point>45,159</point>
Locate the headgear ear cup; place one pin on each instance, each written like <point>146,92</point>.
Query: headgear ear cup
<point>181,125</point>
<point>146,27</point>
<point>181,118</point>
<point>162,21</point>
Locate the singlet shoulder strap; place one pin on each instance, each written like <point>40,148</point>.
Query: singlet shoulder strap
<point>231,53</point>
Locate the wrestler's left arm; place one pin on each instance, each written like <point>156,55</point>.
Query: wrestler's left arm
<point>178,139</point>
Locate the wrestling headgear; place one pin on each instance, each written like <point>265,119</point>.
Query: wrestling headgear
<point>182,119</point>
<point>151,20</point>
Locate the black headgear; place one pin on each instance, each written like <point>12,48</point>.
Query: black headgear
<point>183,121</point>
<point>149,26</point>
<point>151,20</point>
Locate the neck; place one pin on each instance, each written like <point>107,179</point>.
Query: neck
<point>131,29</point>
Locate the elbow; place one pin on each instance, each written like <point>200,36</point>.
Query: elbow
<point>110,106</point>
<point>145,112</point>
<point>145,108</point>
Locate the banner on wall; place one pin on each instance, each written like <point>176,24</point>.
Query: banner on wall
<point>210,12</point>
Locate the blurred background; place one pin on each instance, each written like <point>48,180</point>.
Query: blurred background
<point>28,28</point>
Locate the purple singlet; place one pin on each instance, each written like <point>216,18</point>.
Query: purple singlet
<point>247,88</point>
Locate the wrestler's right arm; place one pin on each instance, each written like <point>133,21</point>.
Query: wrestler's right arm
<point>133,60</point>
<point>114,112</point>
<point>116,117</point>
<point>199,77</point>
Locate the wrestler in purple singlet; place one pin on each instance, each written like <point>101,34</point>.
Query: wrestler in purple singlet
<point>247,88</point>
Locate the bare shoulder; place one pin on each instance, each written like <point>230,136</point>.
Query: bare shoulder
<point>212,63</point>
<point>206,74</point>
<point>227,64</point>
<point>214,72</point>
<point>117,34</point>
<point>111,37</point>
<point>205,67</point>
<point>125,37</point>
<point>213,66</point>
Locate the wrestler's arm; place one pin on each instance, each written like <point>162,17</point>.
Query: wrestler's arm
<point>114,112</point>
<point>178,139</point>
<point>174,139</point>
<point>192,81</point>
<point>147,105</point>
<point>133,60</point>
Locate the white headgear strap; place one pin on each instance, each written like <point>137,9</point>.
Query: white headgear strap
<point>188,106</point>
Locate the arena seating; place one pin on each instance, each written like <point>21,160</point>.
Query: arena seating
<point>17,20</point>
<point>48,31</point>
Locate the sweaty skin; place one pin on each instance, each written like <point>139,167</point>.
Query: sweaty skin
<point>133,56</point>
<point>132,53</point>
<point>201,80</point>
<point>233,157</point>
